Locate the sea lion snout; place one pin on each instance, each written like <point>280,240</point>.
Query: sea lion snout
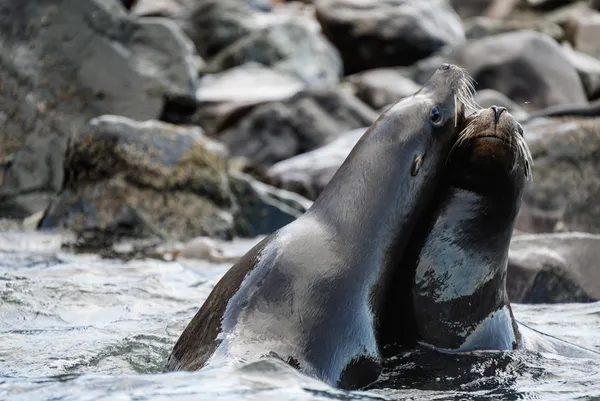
<point>497,112</point>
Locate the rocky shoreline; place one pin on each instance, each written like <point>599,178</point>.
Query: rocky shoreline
<point>166,120</point>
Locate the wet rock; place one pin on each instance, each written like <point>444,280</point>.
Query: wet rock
<point>291,47</point>
<point>276,131</point>
<point>264,209</point>
<point>481,27</point>
<point>489,97</point>
<point>65,62</point>
<point>381,87</point>
<point>307,174</point>
<point>565,188</point>
<point>372,34</point>
<point>588,68</point>
<point>554,268</point>
<point>129,179</point>
<point>528,67</point>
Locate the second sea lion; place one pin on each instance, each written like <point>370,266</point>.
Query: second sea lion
<point>460,255</point>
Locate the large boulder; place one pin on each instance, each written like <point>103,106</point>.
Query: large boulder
<point>276,131</point>
<point>566,176</point>
<point>132,179</point>
<point>527,66</point>
<point>291,47</point>
<point>129,179</point>
<point>66,61</point>
<point>554,268</point>
<point>373,33</point>
<point>307,174</point>
<point>226,96</point>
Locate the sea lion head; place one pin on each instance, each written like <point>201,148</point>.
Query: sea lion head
<point>491,154</point>
<point>428,121</point>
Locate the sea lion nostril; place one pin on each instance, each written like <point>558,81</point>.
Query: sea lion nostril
<point>497,112</point>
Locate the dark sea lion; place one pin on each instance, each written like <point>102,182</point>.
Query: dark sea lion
<point>460,253</point>
<point>310,293</point>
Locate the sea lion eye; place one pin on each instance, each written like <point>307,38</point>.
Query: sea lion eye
<point>435,115</point>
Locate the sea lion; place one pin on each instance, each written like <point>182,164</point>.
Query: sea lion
<point>460,255</point>
<point>310,293</point>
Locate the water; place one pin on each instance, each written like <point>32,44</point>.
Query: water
<point>79,327</point>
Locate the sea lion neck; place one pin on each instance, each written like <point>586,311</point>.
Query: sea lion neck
<point>369,203</point>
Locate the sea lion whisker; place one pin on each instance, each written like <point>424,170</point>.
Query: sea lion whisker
<point>455,111</point>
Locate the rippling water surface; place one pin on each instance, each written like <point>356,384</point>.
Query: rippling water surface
<point>79,327</point>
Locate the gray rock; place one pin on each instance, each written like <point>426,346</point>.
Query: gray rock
<point>251,82</point>
<point>276,131</point>
<point>587,32</point>
<point>262,208</point>
<point>588,68</point>
<point>584,109</point>
<point>128,4</point>
<point>548,4</point>
<point>67,61</point>
<point>381,87</point>
<point>226,97</point>
<point>307,174</point>
<point>489,97</point>
<point>161,8</point>
<point>554,268</point>
<point>129,179</point>
<point>215,24</point>
<point>566,185</point>
<point>470,8</point>
<point>291,47</point>
<point>528,67</point>
<point>385,33</point>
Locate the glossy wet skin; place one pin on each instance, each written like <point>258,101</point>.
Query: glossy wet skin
<point>311,293</point>
<point>461,252</point>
